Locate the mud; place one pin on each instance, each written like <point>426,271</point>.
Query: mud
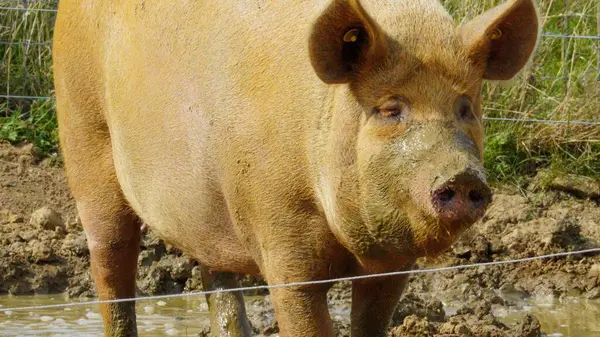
<point>43,251</point>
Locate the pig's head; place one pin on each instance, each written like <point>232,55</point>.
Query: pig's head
<point>403,164</point>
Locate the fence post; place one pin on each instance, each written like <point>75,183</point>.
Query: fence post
<point>565,47</point>
<point>598,42</point>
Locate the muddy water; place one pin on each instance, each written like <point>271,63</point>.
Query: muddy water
<point>573,317</point>
<point>570,318</point>
<point>188,316</point>
<point>169,317</point>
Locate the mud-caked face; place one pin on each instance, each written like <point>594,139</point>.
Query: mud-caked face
<point>404,173</point>
<point>419,156</point>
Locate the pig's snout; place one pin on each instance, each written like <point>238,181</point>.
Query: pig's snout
<point>463,198</point>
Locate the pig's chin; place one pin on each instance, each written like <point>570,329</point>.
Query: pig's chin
<point>415,235</point>
<point>394,231</point>
<point>433,236</point>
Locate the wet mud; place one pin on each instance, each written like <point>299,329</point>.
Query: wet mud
<point>43,250</point>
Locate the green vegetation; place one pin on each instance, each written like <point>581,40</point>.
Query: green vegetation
<point>26,69</point>
<point>560,84</point>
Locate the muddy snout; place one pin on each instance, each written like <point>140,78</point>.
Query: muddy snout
<point>462,198</point>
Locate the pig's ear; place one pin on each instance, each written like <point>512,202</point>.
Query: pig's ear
<point>343,42</point>
<point>503,39</point>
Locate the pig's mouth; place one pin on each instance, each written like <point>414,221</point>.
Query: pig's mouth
<point>435,236</point>
<point>421,232</point>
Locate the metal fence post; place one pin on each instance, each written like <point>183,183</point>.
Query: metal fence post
<point>598,42</point>
<point>565,47</point>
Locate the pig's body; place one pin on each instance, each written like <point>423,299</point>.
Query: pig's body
<point>211,124</point>
<point>207,120</point>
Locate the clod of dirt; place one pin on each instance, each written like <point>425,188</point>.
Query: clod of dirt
<point>261,316</point>
<point>41,252</point>
<point>205,332</point>
<point>162,271</point>
<point>475,249</point>
<point>414,326</point>
<point>455,329</point>
<point>566,234</point>
<point>46,218</point>
<point>510,293</point>
<point>581,186</point>
<point>529,327</point>
<point>75,245</point>
<point>9,217</point>
<point>475,319</point>
<point>479,322</point>
<point>411,304</point>
<point>593,294</point>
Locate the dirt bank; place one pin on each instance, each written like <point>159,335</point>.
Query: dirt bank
<point>43,250</point>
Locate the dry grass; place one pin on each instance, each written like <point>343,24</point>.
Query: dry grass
<point>561,83</point>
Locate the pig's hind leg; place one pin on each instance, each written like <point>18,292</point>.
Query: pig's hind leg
<point>111,227</point>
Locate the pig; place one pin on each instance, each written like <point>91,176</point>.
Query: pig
<point>297,140</point>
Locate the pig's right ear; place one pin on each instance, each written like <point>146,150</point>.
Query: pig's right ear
<point>344,41</point>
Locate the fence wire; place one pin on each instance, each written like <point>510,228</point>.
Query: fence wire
<point>541,121</point>
<point>29,2</point>
<point>29,9</point>
<point>46,43</point>
<point>504,119</point>
<point>26,97</point>
<point>24,43</point>
<point>566,36</point>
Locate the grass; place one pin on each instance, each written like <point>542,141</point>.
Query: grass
<point>37,125</point>
<point>26,69</point>
<point>561,83</point>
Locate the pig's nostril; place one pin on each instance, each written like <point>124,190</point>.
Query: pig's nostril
<point>475,197</point>
<point>446,195</point>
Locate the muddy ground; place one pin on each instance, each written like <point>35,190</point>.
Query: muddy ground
<point>43,250</point>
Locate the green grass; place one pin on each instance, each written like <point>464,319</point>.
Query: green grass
<point>513,151</point>
<point>36,125</point>
<point>518,150</point>
<point>26,69</point>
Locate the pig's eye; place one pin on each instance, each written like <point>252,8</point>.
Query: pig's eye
<point>464,108</point>
<point>395,108</point>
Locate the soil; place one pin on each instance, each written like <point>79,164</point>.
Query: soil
<point>43,250</point>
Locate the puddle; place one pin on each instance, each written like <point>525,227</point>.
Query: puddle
<point>168,317</point>
<point>187,316</point>
<point>572,317</point>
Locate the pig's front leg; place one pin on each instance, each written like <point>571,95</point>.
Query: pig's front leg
<point>373,304</point>
<point>302,312</point>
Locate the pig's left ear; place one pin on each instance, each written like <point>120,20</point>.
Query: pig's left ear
<point>503,39</point>
<point>344,41</point>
